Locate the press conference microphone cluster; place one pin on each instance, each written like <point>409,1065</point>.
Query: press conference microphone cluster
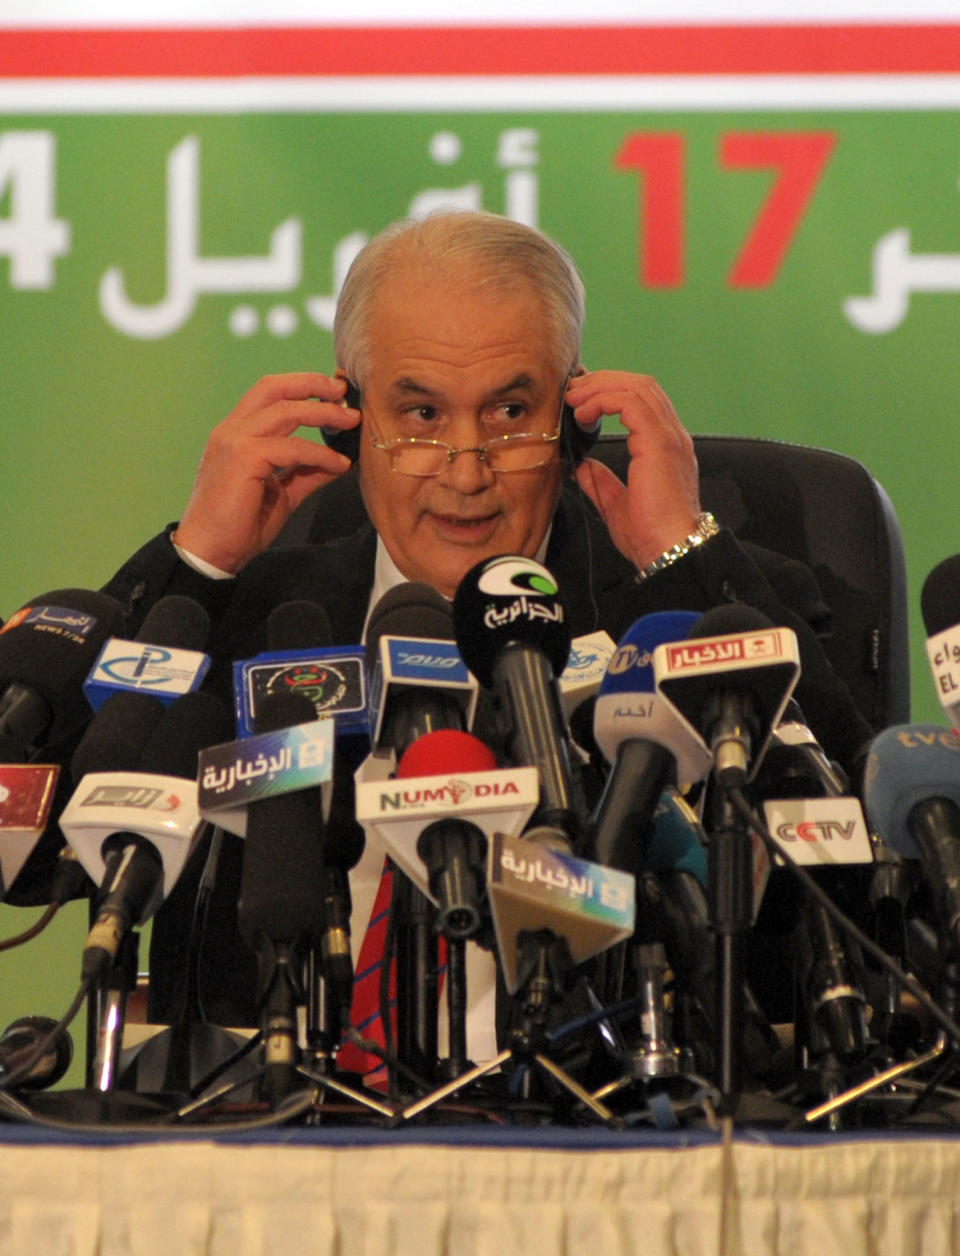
<point>731,681</point>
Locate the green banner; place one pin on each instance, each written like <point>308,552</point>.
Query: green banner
<point>153,267</point>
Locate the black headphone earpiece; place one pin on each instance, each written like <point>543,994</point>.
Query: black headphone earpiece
<point>575,441</point>
<point>346,441</point>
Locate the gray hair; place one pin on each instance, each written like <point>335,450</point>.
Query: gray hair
<point>496,251</point>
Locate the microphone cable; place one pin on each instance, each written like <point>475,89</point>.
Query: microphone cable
<point>68,879</point>
<point>45,1043</point>
<point>36,928</point>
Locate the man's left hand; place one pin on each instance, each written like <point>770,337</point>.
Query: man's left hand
<point>659,505</point>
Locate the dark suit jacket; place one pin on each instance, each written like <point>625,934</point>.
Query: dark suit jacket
<point>599,590</point>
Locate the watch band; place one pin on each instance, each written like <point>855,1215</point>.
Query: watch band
<point>707,527</point>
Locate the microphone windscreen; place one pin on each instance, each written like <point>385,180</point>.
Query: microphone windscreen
<point>443,751</point>
<point>192,723</point>
<point>283,710</point>
<point>410,610</point>
<point>281,892</point>
<point>728,618</point>
<point>940,596</point>
<point>116,735</point>
<point>504,601</point>
<point>50,644</point>
<point>628,706</point>
<point>298,625</point>
<point>909,764</point>
<point>176,621</point>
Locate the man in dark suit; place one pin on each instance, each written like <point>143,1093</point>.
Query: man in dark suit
<point>458,365</point>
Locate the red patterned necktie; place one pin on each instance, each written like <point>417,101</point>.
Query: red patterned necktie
<point>365,1005</point>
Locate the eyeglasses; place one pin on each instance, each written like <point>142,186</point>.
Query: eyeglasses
<point>518,451</point>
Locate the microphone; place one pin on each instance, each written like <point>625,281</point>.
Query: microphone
<point>912,795</point>
<point>453,782</point>
<point>807,801</point>
<point>940,606</point>
<point>46,649</point>
<point>419,685</point>
<point>731,680</point>
<point>511,631</point>
<point>419,682</point>
<point>646,743</point>
<point>298,625</point>
<point>333,680</point>
<point>130,734</point>
<point>21,1038</point>
<point>165,659</point>
<point>300,658</point>
<point>282,872</point>
<point>453,849</point>
<point>133,831</point>
<point>809,811</point>
<point>125,720</point>
<point>281,906</point>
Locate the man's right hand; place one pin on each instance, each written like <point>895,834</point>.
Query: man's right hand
<point>255,471</point>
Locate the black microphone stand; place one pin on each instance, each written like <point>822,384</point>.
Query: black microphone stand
<point>544,966</point>
<point>109,997</point>
<point>730,903</point>
<point>454,852</point>
<point>418,978</point>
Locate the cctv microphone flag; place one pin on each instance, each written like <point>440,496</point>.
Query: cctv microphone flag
<point>822,824</point>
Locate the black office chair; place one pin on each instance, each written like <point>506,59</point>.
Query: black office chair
<point>820,507</point>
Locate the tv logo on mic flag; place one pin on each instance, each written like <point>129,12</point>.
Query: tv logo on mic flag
<point>737,648</point>
<point>60,620</point>
<point>332,677</point>
<point>531,888</point>
<point>163,672</point>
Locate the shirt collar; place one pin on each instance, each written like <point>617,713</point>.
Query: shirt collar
<point>387,575</point>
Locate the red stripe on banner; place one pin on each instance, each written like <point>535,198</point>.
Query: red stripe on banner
<point>463,50</point>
